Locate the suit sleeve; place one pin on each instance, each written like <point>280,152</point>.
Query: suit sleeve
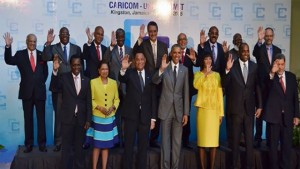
<point>107,55</point>
<point>116,97</point>
<point>256,51</point>
<point>45,71</point>
<point>9,59</point>
<point>85,52</point>
<point>258,94</point>
<point>94,104</point>
<point>136,48</point>
<point>156,79</point>
<point>220,96</point>
<point>154,102</point>
<point>47,53</point>
<point>296,97</point>
<point>89,104</point>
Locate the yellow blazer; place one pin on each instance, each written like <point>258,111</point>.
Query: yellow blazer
<point>104,96</point>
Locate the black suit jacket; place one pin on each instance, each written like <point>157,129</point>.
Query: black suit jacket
<point>146,48</point>
<point>137,101</point>
<point>278,101</point>
<point>264,65</point>
<point>32,85</point>
<point>220,64</point>
<point>65,84</point>
<point>241,97</point>
<point>92,61</point>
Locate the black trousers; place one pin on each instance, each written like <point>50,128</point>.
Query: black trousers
<point>56,102</point>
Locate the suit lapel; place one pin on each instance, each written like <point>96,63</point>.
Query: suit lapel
<point>170,74</point>
<point>72,83</point>
<point>239,72</point>
<point>58,50</point>
<point>149,49</point>
<point>137,80</point>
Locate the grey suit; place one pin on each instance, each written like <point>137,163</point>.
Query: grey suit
<point>173,104</point>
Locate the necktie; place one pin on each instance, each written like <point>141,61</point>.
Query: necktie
<point>154,53</point>
<point>175,75</point>
<point>65,54</point>
<point>213,52</point>
<point>182,56</point>
<point>269,55</point>
<point>245,72</point>
<point>98,52</point>
<point>281,83</point>
<point>121,54</point>
<point>32,62</point>
<point>76,81</point>
<point>141,80</point>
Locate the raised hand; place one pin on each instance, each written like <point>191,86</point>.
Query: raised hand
<point>275,67</point>
<point>152,125</point>
<point>125,62</point>
<point>225,47</point>
<point>113,39</point>
<point>164,63</point>
<point>8,39</point>
<point>142,31</point>
<point>192,54</point>
<point>50,36</point>
<point>260,34</point>
<point>89,35</point>
<point>56,62</point>
<point>202,38</point>
<point>229,62</point>
<point>258,113</point>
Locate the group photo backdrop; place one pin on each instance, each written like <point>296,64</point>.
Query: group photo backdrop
<point>21,17</point>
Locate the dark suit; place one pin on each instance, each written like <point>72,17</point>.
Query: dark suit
<point>73,132</point>
<point>48,53</point>
<point>220,63</point>
<point>90,55</point>
<point>241,101</point>
<point>187,62</point>
<point>113,58</point>
<point>32,91</point>
<point>147,50</point>
<point>280,109</point>
<point>264,67</point>
<point>138,110</point>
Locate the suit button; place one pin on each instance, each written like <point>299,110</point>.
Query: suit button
<point>105,105</point>
<point>105,94</point>
<point>105,99</point>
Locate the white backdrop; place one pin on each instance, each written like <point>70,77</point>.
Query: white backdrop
<point>21,17</point>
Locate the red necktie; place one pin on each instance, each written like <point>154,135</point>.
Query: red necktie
<point>98,52</point>
<point>182,56</point>
<point>281,83</point>
<point>32,62</point>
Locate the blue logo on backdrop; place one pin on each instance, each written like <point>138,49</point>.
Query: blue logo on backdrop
<point>14,74</point>
<point>2,102</point>
<point>287,31</point>
<point>13,26</point>
<point>236,11</point>
<point>76,7</point>
<point>50,6</point>
<point>38,26</point>
<point>99,6</point>
<point>215,10</point>
<point>249,30</point>
<point>227,30</point>
<point>280,12</point>
<point>128,23</point>
<point>259,11</point>
<point>14,125</point>
<point>64,23</point>
<point>194,12</point>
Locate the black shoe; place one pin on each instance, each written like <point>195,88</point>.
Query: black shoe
<point>57,148</point>
<point>187,146</point>
<point>86,146</point>
<point>154,145</point>
<point>42,148</point>
<point>257,144</point>
<point>28,149</point>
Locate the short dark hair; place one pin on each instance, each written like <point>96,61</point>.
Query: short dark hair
<point>120,31</point>
<point>175,46</point>
<point>75,57</point>
<point>269,29</point>
<point>205,55</point>
<point>102,62</point>
<point>242,45</point>
<point>279,56</point>
<point>152,23</point>
<point>213,27</point>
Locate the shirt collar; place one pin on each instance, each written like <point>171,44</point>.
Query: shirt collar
<point>242,63</point>
<point>67,45</point>
<point>76,76</point>
<point>153,42</point>
<point>33,52</point>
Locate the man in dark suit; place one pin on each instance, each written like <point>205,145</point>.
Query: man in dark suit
<point>174,106</point>
<point>75,111</point>
<point>34,73</point>
<point>281,111</point>
<point>114,56</point>
<point>138,111</point>
<point>188,59</point>
<point>153,50</point>
<point>236,41</point>
<point>93,51</point>
<point>243,97</point>
<point>264,54</point>
<point>64,49</point>
<point>216,49</point>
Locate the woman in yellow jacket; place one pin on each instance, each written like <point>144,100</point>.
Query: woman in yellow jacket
<point>210,109</point>
<point>103,133</point>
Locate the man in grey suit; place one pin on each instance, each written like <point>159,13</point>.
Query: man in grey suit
<point>173,107</point>
<point>63,50</point>
<point>114,56</point>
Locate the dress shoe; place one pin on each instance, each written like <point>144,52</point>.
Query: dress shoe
<point>28,149</point>
<point>86,146</point>
<point>42,148</point>
<point>154,145</point>
<point>257,144</point>
<point>57,148</point>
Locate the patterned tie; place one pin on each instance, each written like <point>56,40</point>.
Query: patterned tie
<point>213,52</point>
<point>65,54</point>
<point>154,53</point>
<point>98,52</point>
<point>245,72</point>
<point>141,80</point>
<point>121,54</point>
<point>269,54</point>
<point>175,75</point>
<point>32,62</point>
<point>282,83</point>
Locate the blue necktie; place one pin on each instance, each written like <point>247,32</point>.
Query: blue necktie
<point>65,54</point>
<point>121,54</point>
